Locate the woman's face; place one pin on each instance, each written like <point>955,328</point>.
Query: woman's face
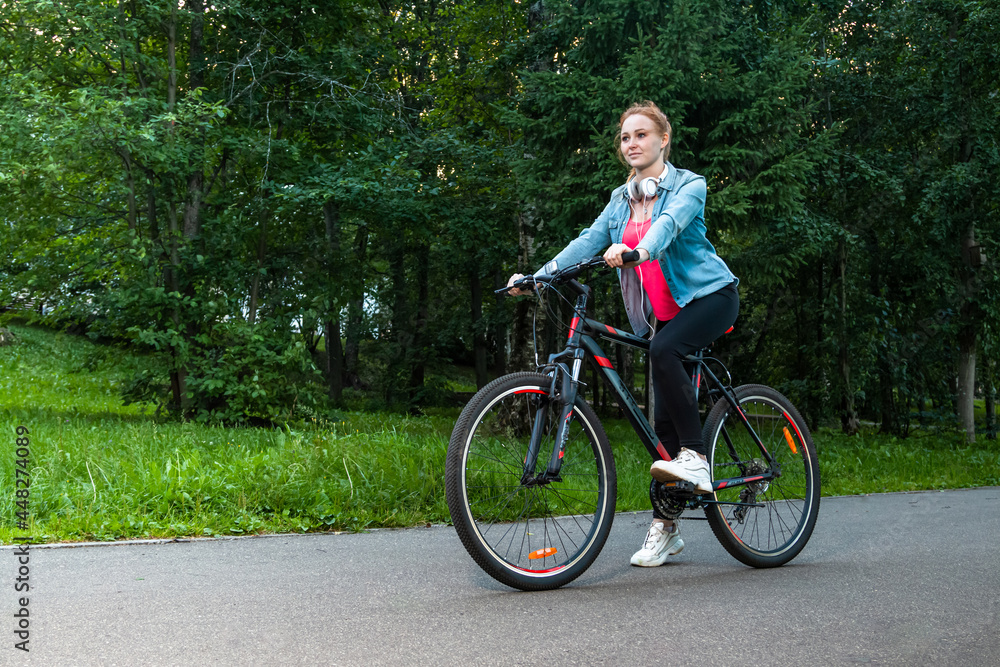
<point>642,145</point>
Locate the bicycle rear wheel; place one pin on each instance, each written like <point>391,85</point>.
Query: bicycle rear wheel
<point>771,535</point>
<point>531,537</point>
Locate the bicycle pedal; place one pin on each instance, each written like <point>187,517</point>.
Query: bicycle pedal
<point>680,485</point>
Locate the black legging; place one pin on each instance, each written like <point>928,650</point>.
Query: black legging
<point>675,413</point>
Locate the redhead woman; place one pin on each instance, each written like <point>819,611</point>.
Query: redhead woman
<point>679,291</point>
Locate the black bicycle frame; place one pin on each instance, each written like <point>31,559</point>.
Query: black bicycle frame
<point>565,370</point>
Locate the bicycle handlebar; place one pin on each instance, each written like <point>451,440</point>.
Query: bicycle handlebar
<point>564,275</point>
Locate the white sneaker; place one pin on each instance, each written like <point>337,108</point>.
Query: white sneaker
<point>687,467</point>
<point>658,545</point>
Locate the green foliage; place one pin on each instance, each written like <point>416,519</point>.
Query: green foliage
<point>238,185</point>
<point>248,374</point>
<point>103,471</point>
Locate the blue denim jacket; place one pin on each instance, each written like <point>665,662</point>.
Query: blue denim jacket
<point>676,239</point>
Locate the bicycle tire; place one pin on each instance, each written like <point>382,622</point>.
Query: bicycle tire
<point>772,535</point>
<point>528,537</point>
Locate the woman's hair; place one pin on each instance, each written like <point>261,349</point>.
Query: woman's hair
<point>653,113</point>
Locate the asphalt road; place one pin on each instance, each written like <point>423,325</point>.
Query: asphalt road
<point>896,579</point>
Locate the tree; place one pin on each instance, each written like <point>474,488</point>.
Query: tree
<point>915,91</point>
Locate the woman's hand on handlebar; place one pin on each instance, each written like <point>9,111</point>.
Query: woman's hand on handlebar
<point>613,256</point>
<point>515,291</point>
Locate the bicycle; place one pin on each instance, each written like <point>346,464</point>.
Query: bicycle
<point>539,529</point>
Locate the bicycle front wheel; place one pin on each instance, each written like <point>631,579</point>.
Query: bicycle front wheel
<point>773,518</point>
<point>526,535</point>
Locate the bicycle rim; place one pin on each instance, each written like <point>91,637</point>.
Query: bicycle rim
<point>533,536</point>
<point>774,532</point>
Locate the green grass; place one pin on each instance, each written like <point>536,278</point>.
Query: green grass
<point>103,471</point>
<point>873,463</point>
<point>866,463</point>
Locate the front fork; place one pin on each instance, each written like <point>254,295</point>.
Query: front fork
<point>567,378</point>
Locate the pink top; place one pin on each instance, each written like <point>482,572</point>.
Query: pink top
<point>651,275</point>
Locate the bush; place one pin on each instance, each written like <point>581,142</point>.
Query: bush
<point>242,374</point>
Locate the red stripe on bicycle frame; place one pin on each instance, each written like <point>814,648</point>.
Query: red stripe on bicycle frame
<point>662,451</point>
<point>611,328</point>
<point>572,326</point>
<point>722,485</point>
<point>601,361</point>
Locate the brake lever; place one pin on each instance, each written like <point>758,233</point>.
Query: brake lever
<point>527,282</point>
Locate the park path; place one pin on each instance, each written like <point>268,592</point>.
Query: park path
<point>894,579</point>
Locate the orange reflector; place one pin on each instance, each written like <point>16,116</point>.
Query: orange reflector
<point>791,443</point>
<point>542,553</point>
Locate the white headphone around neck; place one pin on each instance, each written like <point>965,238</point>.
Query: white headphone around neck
<point>646,187</point>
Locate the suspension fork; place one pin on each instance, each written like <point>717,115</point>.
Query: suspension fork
<point>569,386</point>
<point>545,403</point>
<point>566,377</point>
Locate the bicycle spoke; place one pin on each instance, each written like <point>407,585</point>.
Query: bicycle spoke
<point>776,530</point>
<point>536,528</point>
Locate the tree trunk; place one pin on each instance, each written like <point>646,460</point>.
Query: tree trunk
<point>420,324</point>
<point>818,392</point>
<point>178,374</point>
<point>331,328</point>
<point>196,71</point>
<point>355,311</point>
<point>478,337</point>
<point>334,356</point>
<point>522,350</point>
<point>178,383</point>
<point>192,207</point>
<point>967,344</point>
<point>154,227</point>
<point>967,381</point>
<point>133,207</point>
<point>172,57</point>
<point>776,300</point>
<point>196,50</point>
<point>499,329</point>
<point>887,404</point>
<point>261,253</point>
<point>400,326</point>
<point>990,391</point>
<point>848,417</point>
<point>953,394</point>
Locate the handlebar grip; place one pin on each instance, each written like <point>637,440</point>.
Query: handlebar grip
<point>630,256</point>
<point>527,282</point>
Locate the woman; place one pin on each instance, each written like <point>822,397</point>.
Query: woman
<point>687,293</point>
